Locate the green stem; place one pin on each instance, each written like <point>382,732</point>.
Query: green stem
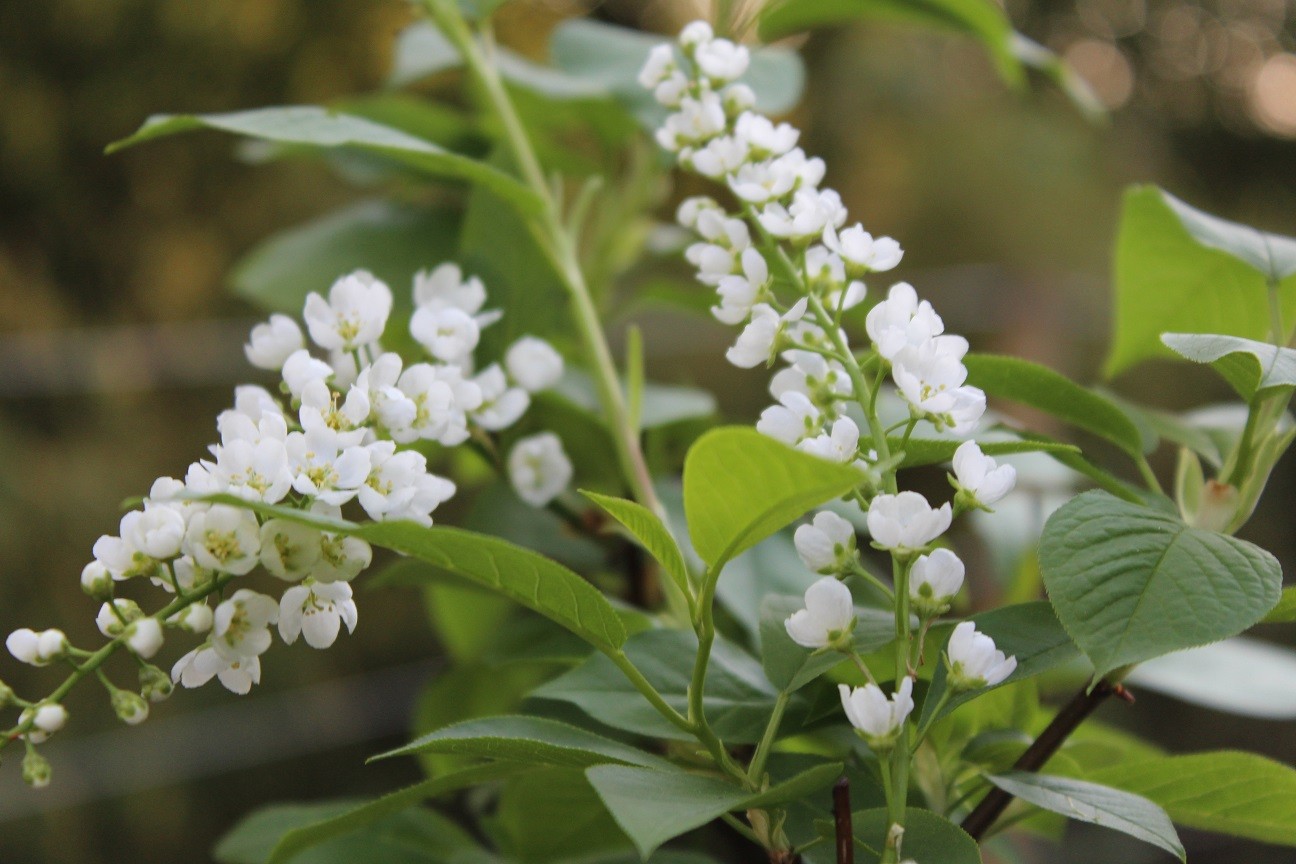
<point>756,771</point>
<point>644,686</point>
<point>1149,476</point>
<point>859,570</point>
<point>735,823</point>
<point>704,625</point>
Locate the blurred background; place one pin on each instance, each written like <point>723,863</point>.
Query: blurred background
<point>119,340</point>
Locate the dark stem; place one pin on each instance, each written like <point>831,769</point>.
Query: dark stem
<point>842,822</point>
<point>1071,716</point>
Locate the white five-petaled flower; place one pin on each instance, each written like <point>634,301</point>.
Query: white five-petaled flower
<point>326,465</point>
<point>502,405</point>
<point>759,339</point>
<point>289,550</point>
<point>316,611</point>
<point>301,368</point>
<point>400,487</point>
<point>442,398</point>
<point>203,663</point>
<point>240,627</point>
<point>791,421</point>
<point>933,581</point>
<point>449,334</point>
<point>827,544</point>
<point>905,522</point>
<point>879,720</point>
<point>980,476</point>
<point>861,251</point>
<point>533,364</point>
<point>738,294</point>
<point>839,445</point>
<point>226,539</point>
<point>157,530</point>
<point>354,315</point>
<point>539,469</point>
<point>828,616</point>
<point>273,342</point>
<point>974,660</point>
<point>901,321</point>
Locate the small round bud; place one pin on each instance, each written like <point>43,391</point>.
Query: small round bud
<point>51,645</point>
<point>155,685</point>
<point>130,707</point>
<point>42,721</point>
<point>96,580</point>
<point>35,770</point>
<point>144,637</point>
<point>110,623</point>
<point>196,618</point>
<point>24,645</point>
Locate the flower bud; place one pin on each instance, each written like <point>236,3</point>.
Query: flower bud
<point>129,707</point>
<point>144,637</point>
<point>155,685</point>
<point>35,770</point>
<point>96,580</point>
<point>974,660</point>
<point>110,623</point>
<point>51,645</point>
<point>933,581</point>
<point>42,721</point>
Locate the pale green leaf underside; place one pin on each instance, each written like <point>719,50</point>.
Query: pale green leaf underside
<point>1098,805</point>
<point>1251,366</point>
<point>1229,792</point>
<point>313,126</point>
<point>1130,583</point>
<point>741,486</point>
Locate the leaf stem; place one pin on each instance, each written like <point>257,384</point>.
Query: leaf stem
<point>756,769</point>
<point>644,686</point>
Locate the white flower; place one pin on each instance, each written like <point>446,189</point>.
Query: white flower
<point>289,550</point>
<point>828,616</point>
<point>900,321</point>
<point>446,288</point>
<point>320,407</point>
<point>980,476</point>
<point>442,398</point>
<point>502,405</point>
<point>719,157</point>
<point>323,468</point>
<point>256,471</point>
<point>814,377</point>
<point>690,209</point>
<point>826,545</point>
<point>301,368</point>
<point>399,486</point>
<point>202,664</point>
<point>195,618</point>
<point>226,539</point>
<point>240,626</point>
<point>660,64</point>
<point>760,134</point>
<point>354,315</point>
<point>811,211</point>
<point>120,558</point>
<point>272,342</point>
<point>110,622</point>
<point>342,558</point>
<point>699,119</point>
<point>794,419</point>
<point>738,294</point>
<point>721,60</point>
<point>695,33</point>
<point>878,719</point>
<point>859,248</point>
<point>317,612</point>
<point>533,364</point>
<point>24,645</point>
<point>759,182</point>
<point>930,377</point>
<point>144,637</point>
<point>759,339</point>
<point>841,445</point>
<point>539,468</point>
<point>906,521</point>
<point>156,531</point>
<point>934,580</point>
<point>449,334</point>
<point>45,719</point>
<point>714,262</point>
<point>974,660</point>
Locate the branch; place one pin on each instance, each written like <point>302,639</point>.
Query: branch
<point>842,822</point>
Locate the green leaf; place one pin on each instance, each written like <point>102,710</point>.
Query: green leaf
<point>318,127</point>
<point>1131,583</point>
<point>1285,611</point>
<point>980,19</point>
<point>393,241</point>
<point>1183,271</point>
<point>928,837</point>
<point>520,574</point>
<point>1098,805</point>
<point>467,618</point>
<point>1239,676</point>
<point>1228,792</point>
<point>554,814</point>
<point>933,451</point>
<point>741,486</point>
<point>1042,388</point>
<point>297,840</point>
<point>1251,367</point>
<point>738,698</point>
<point>529,740</point>
<point>651,534</point>
<point>654,806</point>
<point>409,837</point>
<point>1028,631</point>
<point>612,56</point>
<point>790,667</point>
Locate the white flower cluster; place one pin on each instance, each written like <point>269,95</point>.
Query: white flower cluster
<point>337,435</point>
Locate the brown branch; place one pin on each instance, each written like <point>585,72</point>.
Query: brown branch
<point>842,822</point>
<point>1066,721</point>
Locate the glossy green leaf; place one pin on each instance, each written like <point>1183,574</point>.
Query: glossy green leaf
<point>1130,583</point>
<point>1042,388</point>
<point>741,486</point>
<point>790,667</point>
<point>392,241</point>
<point>1028,631</point>
<point>928,837</point>
<point>651,534</point>
<point>554,815</point>
<point>1180,270</point>
<point>1251,367</point>
<point>1228,792</point>
<point>1098,805</point>
<point>318,127</point>
<point>1285,611</point>
<point>294,842</point>
<point>529,740</point>
<point>738,698</point>
<point>654,806</point>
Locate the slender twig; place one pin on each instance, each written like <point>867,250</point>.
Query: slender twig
<point>842,822</point>
<point>1084,703</point>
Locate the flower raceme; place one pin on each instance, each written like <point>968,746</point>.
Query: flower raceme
<point>339,434</point>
